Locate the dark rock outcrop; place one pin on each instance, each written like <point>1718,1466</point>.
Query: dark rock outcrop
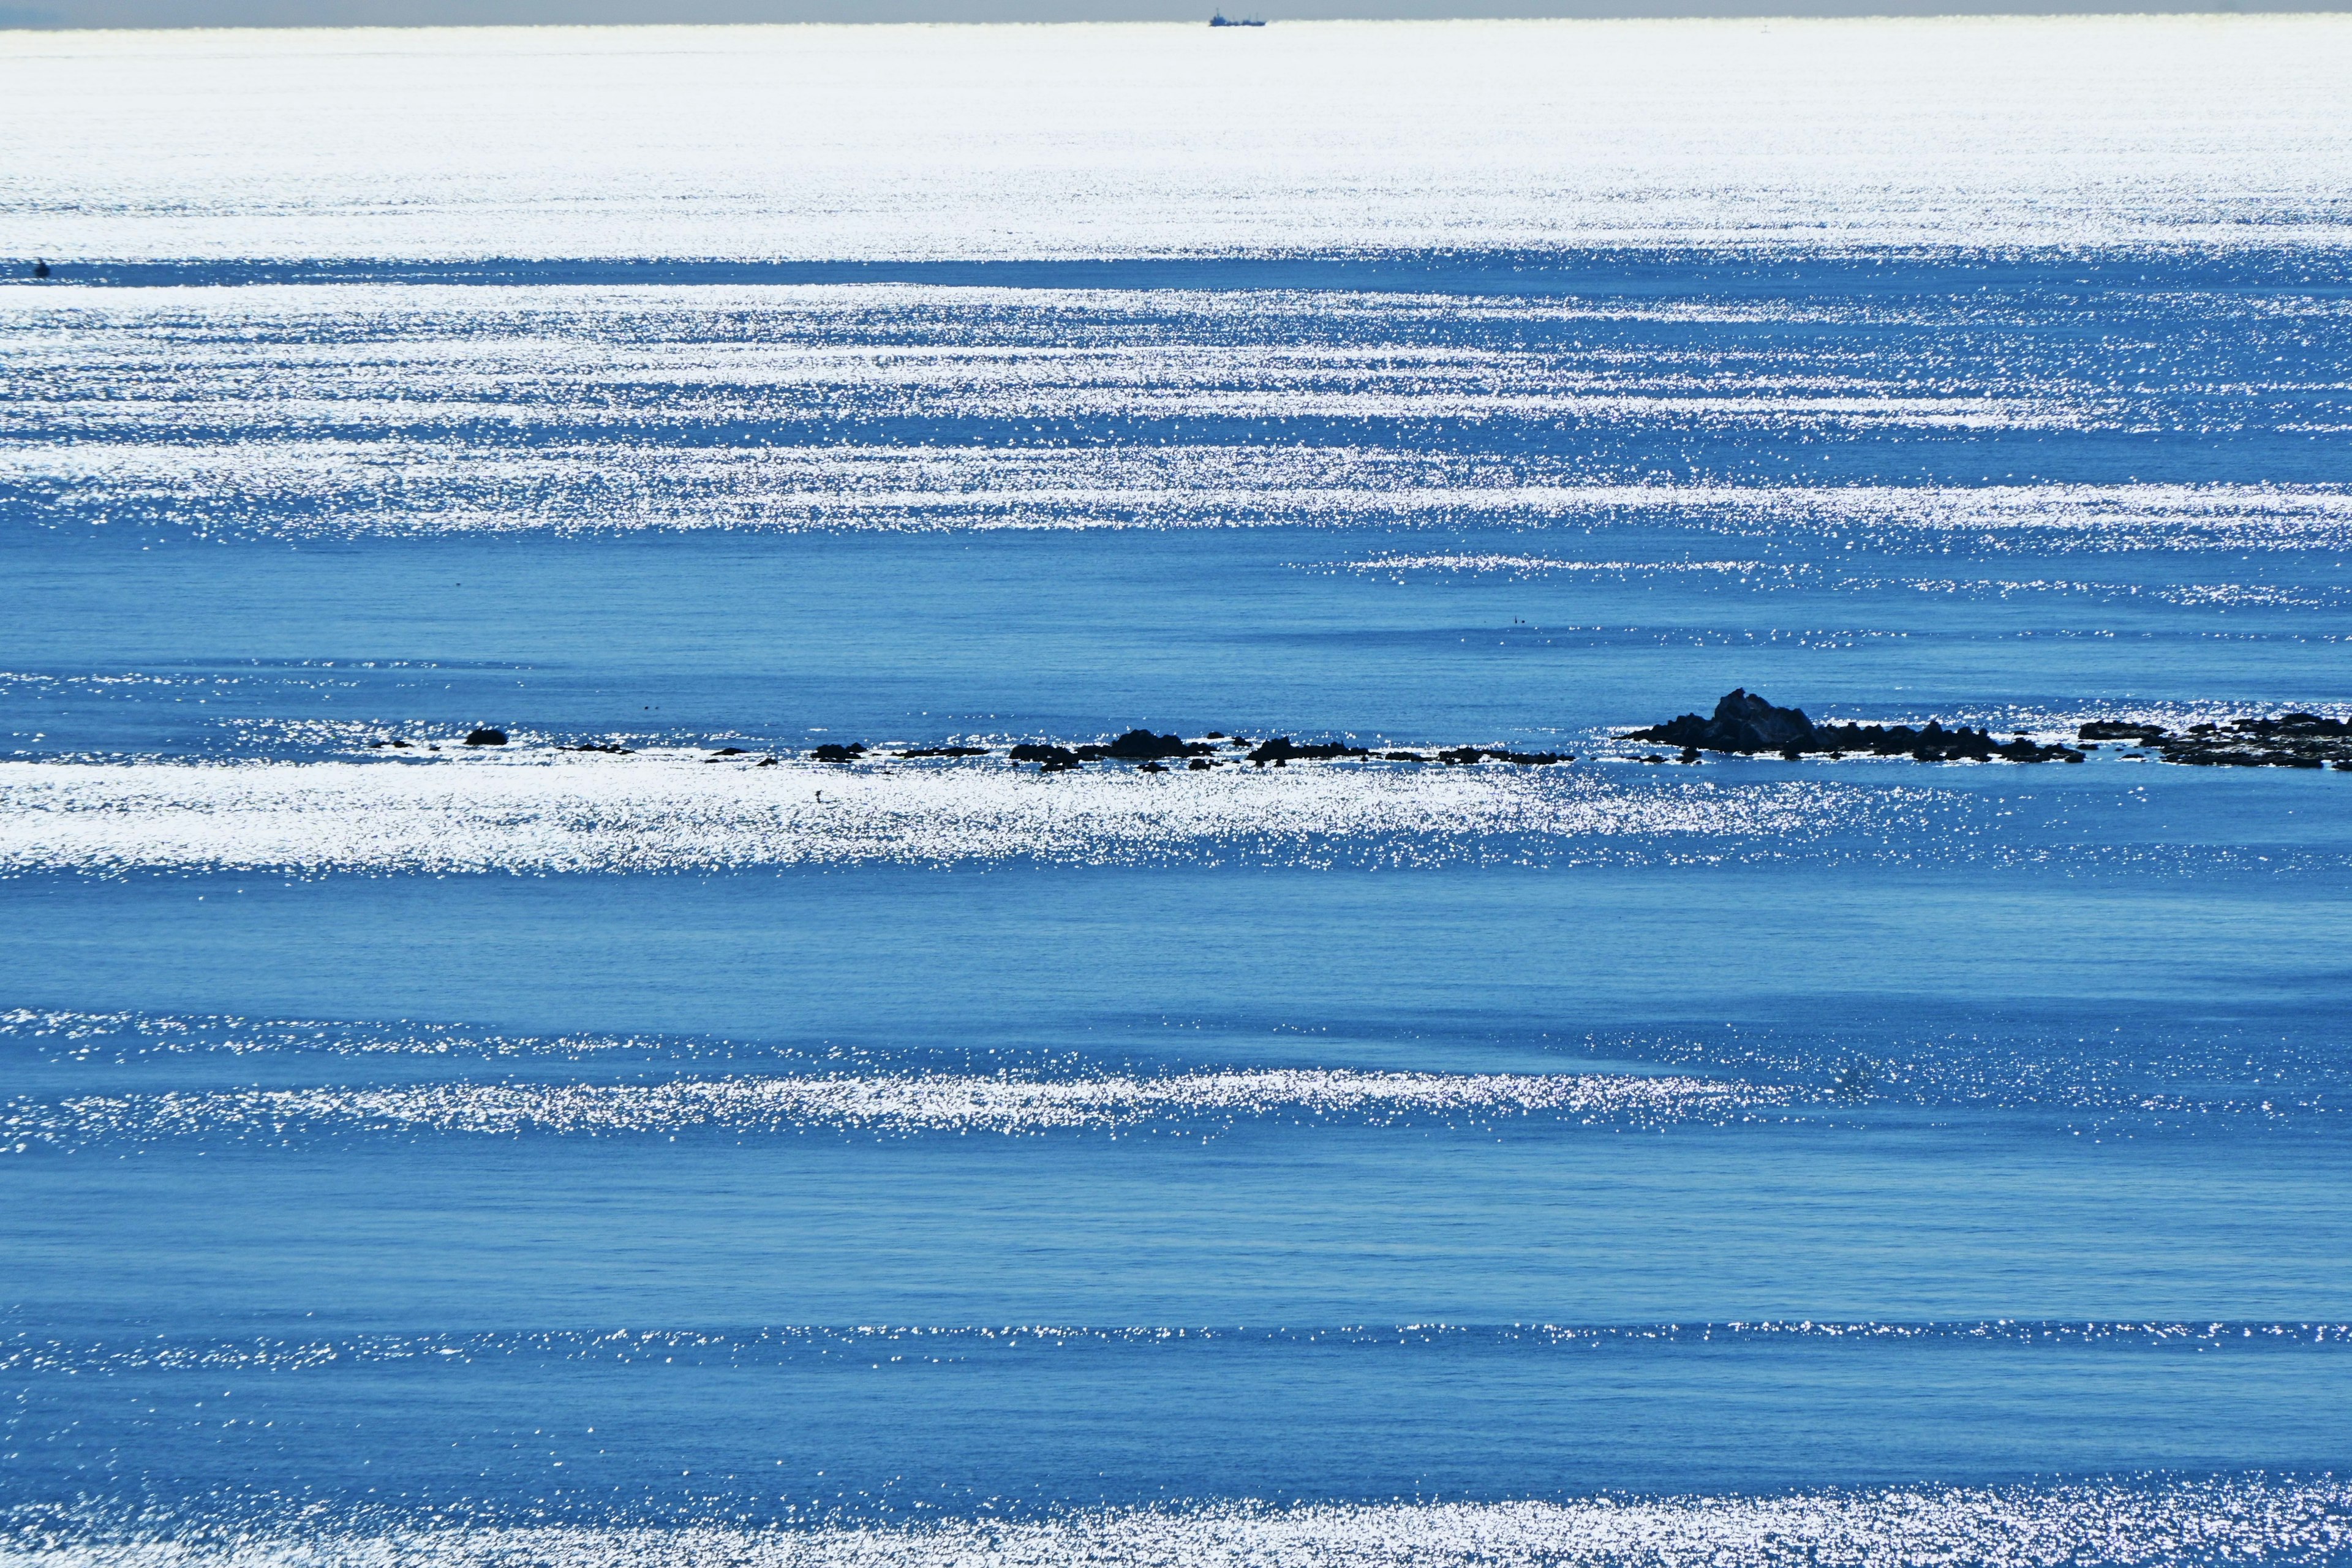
<point>1054,759</point>
<point>1143,746</point>
<point>1281,749</point>
<point>1742,724</point>
<point>1745,724</point>
<point>2295,739</point>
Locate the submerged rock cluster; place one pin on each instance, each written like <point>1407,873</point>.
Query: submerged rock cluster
<point>1152,753</point>
<point>2289,741</point>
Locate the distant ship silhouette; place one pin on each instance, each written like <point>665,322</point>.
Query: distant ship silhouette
<point>1221,20</point>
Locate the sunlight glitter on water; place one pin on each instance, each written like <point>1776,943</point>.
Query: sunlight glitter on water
<point>541,810</point>
<point>2167,1523</point>
<point>892,1103</point>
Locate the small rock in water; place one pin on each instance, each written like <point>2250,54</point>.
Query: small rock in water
<point>486,737</point>
<point>832,751</point>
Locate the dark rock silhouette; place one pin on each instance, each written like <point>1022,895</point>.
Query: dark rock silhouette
<point>2295,739</point>
<point>1742,724</point>
<point>40,269</point>
<point>1745,724</point>
<point>1281,749</point>
<point>1143,746</point>
<point>1054,759</point>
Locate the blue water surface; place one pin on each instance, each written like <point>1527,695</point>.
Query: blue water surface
<point>2034,1161</point>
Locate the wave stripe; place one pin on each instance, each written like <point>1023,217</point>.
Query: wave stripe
<point>536,809</point>
<point>2235,1520</point>
<point>897,1103</point>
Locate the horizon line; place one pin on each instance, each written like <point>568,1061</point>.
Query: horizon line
<point>27,20</point>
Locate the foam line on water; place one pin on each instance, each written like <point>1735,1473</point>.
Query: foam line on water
<point>2154,1523</point>
<point>35,1354</point>
<point>538,809</point>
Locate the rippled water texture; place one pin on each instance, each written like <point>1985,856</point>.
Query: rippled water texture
<point>642,1140</point>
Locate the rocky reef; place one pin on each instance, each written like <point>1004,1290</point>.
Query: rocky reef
<point>1150,752</point>
<point>2289,741</point>
<point>1745,724</point>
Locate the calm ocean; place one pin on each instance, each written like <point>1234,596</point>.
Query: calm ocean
<point>689,1152</point>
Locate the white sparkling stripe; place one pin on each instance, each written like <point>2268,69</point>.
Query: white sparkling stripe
<point>307,486</point>
<point>2166,1523</point>
<point>541,810</point>
<point>887,1102</point>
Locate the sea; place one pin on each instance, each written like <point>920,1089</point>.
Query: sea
<point>637,1141</point>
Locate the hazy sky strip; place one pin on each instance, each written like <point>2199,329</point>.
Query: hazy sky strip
<point>47,13</point>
